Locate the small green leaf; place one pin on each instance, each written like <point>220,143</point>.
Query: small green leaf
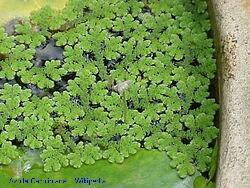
<point>213,165</point>
<point>200,182</point>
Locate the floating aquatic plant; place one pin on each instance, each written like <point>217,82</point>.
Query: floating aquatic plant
<point>101,79</point>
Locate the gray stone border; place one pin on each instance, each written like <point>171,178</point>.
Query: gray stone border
<point>231,30</point>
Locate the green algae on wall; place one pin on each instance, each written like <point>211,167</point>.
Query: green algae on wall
<point>10,9</point>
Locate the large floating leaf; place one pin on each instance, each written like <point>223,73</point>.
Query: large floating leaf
<point>146,169</point>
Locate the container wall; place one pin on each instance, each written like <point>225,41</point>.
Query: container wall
<point>231,29</point>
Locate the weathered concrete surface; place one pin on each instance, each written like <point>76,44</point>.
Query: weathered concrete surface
<point>232,37</point>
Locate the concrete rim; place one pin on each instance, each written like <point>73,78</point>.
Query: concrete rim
<point>231,29</point>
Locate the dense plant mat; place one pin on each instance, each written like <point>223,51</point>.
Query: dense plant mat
<point>102,79</point>
<point>143,170</point>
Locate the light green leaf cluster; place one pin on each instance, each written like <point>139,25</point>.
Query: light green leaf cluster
<point>17,60</point>
<point>87,154</point>
<point>12,96</point>
<point>65,108</point>
<point>53,155</point>
<point>40,108</point>
<point>8,152</point>
<point>43,77</point>
<point>6,42</point>
<point>26,34</point>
